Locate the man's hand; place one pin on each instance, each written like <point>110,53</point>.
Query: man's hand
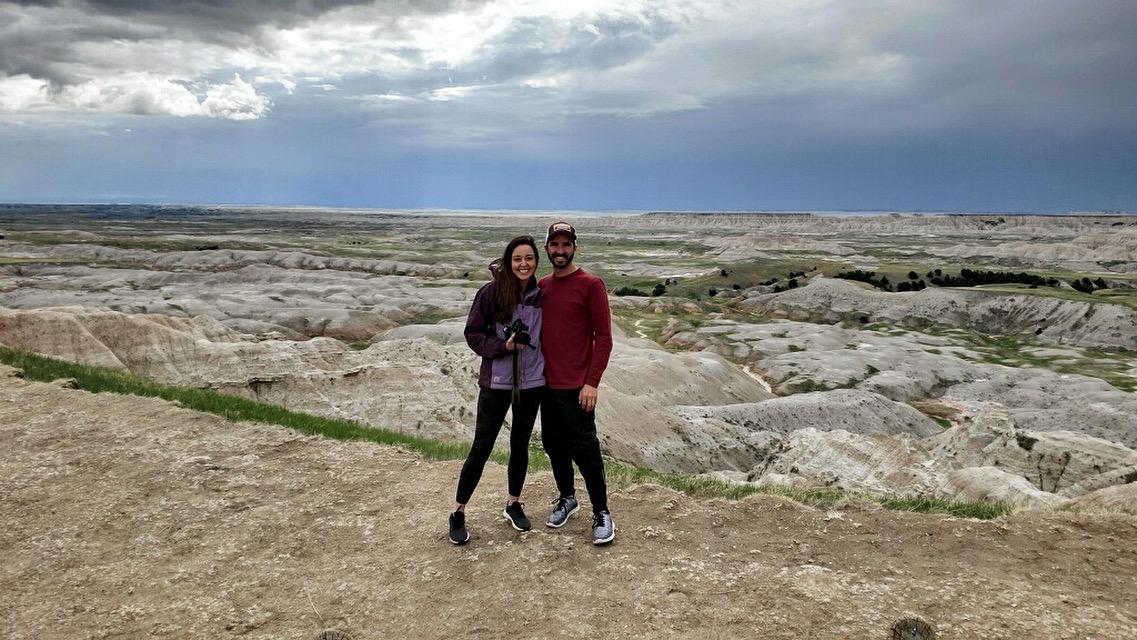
<point>588,397</point>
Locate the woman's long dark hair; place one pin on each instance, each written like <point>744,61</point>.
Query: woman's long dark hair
<point>508,292</point>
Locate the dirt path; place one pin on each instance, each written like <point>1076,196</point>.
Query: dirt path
<point>132,518</point>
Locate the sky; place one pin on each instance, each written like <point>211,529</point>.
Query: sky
<point>965,105</point>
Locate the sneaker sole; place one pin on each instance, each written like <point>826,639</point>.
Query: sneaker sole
<point>603,541</point>
<point>512,523</point>
<point>558,526</point>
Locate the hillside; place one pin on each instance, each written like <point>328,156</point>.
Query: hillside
<point>129,517</point>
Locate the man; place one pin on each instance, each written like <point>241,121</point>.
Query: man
<point>578,341</point>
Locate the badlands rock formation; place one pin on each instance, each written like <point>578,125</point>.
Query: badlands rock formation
<point>1078,243</point>
<point>1061,321</point>
<point>909,366</point>
<point>985,456</point>
<point>420,380</point>
<point>947,392</point>
<point>412,386</point>
<point>261,298</point>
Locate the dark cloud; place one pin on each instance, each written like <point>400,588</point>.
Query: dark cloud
<point>48,51</point>
<point>42,38</point>
<point>856,68</point>
<point>241,16</point>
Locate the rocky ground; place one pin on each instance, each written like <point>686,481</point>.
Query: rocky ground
<point>127,517</point>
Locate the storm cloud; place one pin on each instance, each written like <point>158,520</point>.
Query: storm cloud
<point>548,81</point>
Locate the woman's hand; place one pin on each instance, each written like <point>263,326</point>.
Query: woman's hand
<point>510,346</point>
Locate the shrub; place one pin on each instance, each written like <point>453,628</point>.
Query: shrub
<point>867,277</point>
<point>972,278</point>
<point>1085,285</point>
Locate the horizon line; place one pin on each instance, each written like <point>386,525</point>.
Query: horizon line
<point>553,211</point>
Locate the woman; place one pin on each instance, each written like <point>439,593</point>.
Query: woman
<point>504,327</point>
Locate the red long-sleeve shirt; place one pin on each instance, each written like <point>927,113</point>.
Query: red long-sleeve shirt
<point>577,327</point>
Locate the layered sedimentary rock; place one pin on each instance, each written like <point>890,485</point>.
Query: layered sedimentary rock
<point>1060,321</point>
<point>265,299</point>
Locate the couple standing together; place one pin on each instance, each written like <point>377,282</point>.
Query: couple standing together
<point>544,346</point>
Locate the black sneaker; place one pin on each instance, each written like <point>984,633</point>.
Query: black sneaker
<point>458,533</point>
<point>516,517</point>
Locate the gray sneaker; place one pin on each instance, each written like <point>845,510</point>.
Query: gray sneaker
<point>563,509</point>
<point>603,528</point>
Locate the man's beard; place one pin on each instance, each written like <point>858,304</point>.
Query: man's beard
<point>568,259</point>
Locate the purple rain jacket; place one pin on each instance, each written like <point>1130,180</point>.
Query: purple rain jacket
<point>487,338</point>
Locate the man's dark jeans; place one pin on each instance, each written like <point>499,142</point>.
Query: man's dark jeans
<point>569,435</point>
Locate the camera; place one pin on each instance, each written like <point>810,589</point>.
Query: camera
<point>519,331</point>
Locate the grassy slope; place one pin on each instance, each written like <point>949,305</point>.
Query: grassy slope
<point>100,380</point>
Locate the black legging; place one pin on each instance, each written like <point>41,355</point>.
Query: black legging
<point>492,407</point>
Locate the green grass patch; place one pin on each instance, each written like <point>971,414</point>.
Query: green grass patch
<point>922,504</point>
<point>1112,365</point>
<point>430,317</point>
<point>103,380</point>
<point>620,474</point>
<point>748,274</point>
<point>649,324</point>
<point>1127,297</point>
<point>141,241</point>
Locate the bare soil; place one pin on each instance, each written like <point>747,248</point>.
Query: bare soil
<point>126,517</point>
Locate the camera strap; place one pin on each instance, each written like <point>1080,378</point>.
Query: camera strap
<point>516,381</point>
